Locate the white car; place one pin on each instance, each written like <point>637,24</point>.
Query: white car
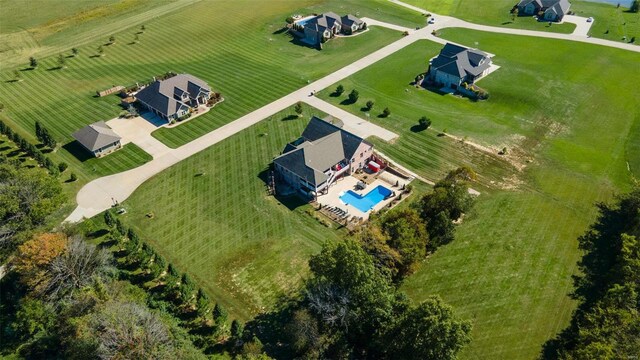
<point>590,19</point>
<point>432,20</point>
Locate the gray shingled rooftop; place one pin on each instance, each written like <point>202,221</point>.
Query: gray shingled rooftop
<point>96,136</point>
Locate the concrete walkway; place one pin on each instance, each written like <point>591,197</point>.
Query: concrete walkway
<point>352,123</point>
<point>100,194</point>
<point>443,22</point>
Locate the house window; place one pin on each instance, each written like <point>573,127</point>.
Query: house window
<point>361,154</point>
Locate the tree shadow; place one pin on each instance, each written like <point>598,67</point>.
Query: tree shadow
<point>28,69</point>
<point>290,117</point>
<point>12,81</point>
<point>78,151</point>
<point>5,148</point>
<point>382,116</point>
<point>507,23</point>
<point>98,233</point>
<point>280,31</point>
<point>347,102</point>
<point>54,68</point>
<point>417,128</point>
<point>335,94</point>
<point>95,56</point>
<point>365,109</point>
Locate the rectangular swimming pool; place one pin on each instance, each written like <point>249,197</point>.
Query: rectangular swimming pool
<point>367,202</point>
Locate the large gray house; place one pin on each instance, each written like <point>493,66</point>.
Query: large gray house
<point>325,26</point>
<point>456,65</point>
<point>98,139</point>
<point>548,10</point>
<point>323,154</point>
<point>174,97</point>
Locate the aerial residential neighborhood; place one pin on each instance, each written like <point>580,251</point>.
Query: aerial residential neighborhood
<point>319,179</point>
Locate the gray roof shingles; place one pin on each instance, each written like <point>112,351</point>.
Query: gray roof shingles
<point>96,136</point>
<point>460,61</point>
<point>164,95</point>
<point>321,146</point>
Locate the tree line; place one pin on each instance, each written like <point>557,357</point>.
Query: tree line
<point>606,324</point>
<point>351,306</point>
<point>31,149</point>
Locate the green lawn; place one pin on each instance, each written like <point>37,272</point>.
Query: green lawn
<point>243,246</point>
<point>610,23</point>
<point>617,21</point>
<point>509,269</point>
<point>242,54</point>
<point>488,12</point>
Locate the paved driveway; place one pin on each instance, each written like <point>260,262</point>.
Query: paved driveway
<point>352,123</point>
<point>138,130</point>
<point>582,26</point>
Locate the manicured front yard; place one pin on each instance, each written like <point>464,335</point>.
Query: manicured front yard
<point>563,106</point>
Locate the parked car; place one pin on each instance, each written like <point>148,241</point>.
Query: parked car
<point>590,19</point>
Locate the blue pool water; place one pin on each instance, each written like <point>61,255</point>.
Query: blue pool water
<point>367,202</point>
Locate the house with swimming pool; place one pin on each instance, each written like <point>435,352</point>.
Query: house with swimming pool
<point>323,154</point>
<point>338,169</point>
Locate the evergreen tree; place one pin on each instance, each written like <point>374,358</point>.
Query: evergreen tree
<point>109,220</point>
<point>33,62</point>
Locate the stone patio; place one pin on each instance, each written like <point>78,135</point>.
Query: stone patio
<point>332,199</point>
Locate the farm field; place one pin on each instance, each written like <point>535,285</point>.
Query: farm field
<point>509,269</point>
<point>241,54</point>
<point>496,13</point>
<point>239,243</point>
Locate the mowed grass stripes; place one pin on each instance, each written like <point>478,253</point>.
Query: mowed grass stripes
<point>242,54</point>
<point>243,246</point>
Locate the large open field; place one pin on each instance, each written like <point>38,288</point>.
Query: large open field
<point>242,54</point>
<point>510,268</point>
<point>617,21</point>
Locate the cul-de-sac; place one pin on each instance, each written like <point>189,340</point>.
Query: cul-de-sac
<point>320,179</point>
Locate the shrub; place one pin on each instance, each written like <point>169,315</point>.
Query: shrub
<point>62,166</point>
<point>73,177</point>
<point>370,105</point>
<point>424,122</point>
<point>340,90</point>
<point>353,96</point>
<point>386,112</point>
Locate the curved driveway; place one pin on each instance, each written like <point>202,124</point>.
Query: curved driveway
<point>100,194</point>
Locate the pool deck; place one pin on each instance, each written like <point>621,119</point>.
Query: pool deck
<point>349,183</point>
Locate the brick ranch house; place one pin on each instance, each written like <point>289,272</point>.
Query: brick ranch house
<point>174,97</point>
<point>455,65</point>
<point>547,10</point>
<point>323,153</point>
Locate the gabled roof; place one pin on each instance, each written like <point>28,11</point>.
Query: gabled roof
<point>323,21</point>
<point>349,19</point>
<point>96,136</point>
<point>164,96</point>
<point>559,6</point>
<point>460,61</point>
<point>321,146</point>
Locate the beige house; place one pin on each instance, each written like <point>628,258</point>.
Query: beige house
<point>323,154</point>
